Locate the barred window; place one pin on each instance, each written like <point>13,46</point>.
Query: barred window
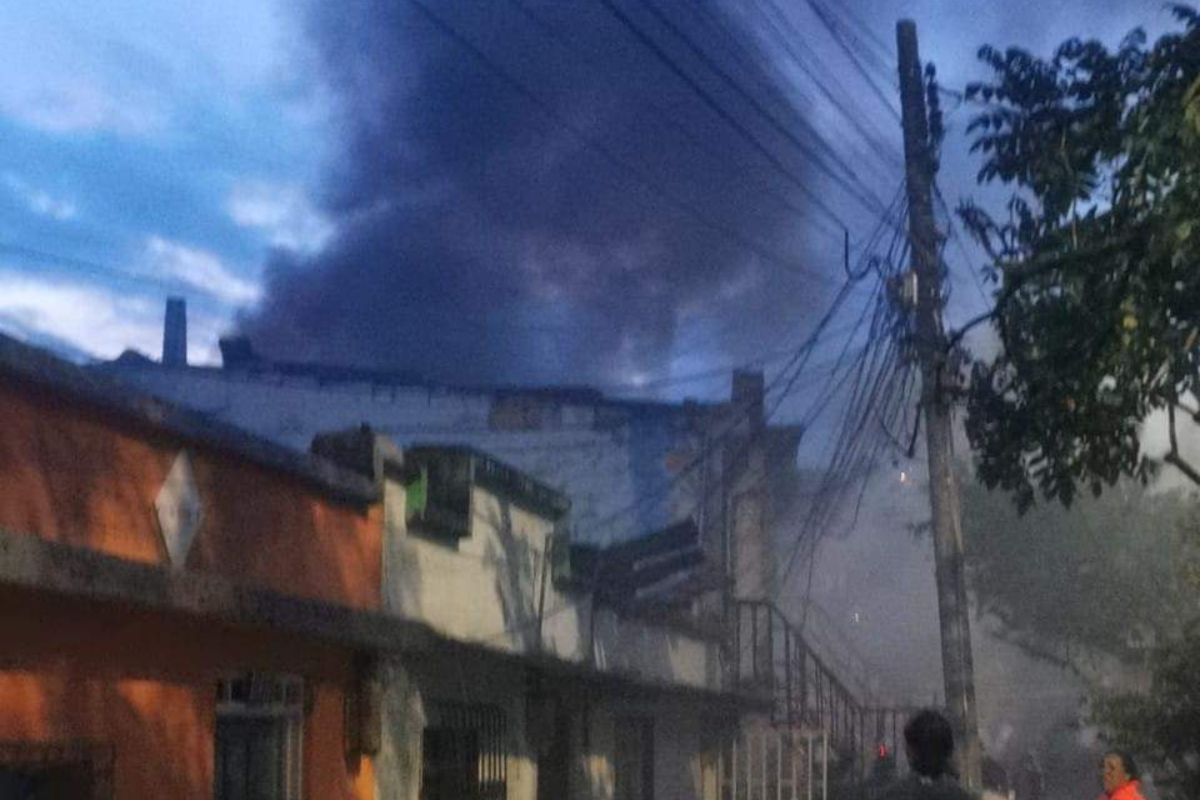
<point>463,753</point>
<point>259,737</point>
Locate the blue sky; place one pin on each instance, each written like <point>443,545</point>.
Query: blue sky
<point>178,142</point>
<point>166,140</point>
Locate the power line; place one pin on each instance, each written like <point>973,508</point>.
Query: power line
<point>788,375</point>
<point>868,199</point>
<point>709,100</point>
<point>98,270</point>
<point>885,57</point>
<point>790,40</point>
<point>858,445</point>
<point>962,248</point>
<point>752,60</point>
<point>617,162</point>
<point>830,24</point>
<point>713,372</point>
<point>796,364</point>
<point>719,157</point>
<point>858,192</point>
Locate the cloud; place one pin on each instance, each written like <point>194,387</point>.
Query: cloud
<point>131,68</point>
<point>96,321</point>
<point>40,202</point>
<point>283,212</point>
<point>111,323</point>
<point>77,103</point>
<point>199,268</point>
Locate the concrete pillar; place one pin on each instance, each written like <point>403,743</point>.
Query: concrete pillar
<point>745,470</point>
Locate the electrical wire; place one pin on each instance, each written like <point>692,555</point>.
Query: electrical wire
<point>709,100</point>
<point>852,54</point>
<point>718,157</point>
<point>849,180</point>
<point>618,163</point>
<point>962,248</point>
<point>881,393</point>
<point>97,270</point>
<point>786,378</point>
<point>792,43</point>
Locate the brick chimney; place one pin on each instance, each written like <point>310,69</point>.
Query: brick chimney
<point>174,352</point>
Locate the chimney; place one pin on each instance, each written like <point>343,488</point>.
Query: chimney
<point>174,353</point>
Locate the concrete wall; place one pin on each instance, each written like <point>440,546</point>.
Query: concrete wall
<point>89,479</point>
<point>493,589</point>
<point>684,749</point>
<point>686,735</point>
<point>142,687</point>
<point>487,591</point>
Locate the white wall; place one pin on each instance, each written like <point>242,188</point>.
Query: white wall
<point>414,685</point>
<point>489,591</point>
<point>684,732</point>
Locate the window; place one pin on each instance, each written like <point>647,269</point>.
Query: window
<point>259,732</point>
<point>439,496</point>
<point>634,759</point>
<point>73,769</point>
<point>463,754</point>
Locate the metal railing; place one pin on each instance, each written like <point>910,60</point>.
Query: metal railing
<point>769,655</point>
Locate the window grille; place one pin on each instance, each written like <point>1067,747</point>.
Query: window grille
<point>464,756</point>
<point>259,737</point>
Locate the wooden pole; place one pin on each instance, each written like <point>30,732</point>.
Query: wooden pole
<point>957,663</point>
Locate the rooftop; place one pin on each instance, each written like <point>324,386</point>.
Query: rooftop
<point>37,368</point>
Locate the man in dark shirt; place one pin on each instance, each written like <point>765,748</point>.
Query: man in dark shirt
<point>929,744</point>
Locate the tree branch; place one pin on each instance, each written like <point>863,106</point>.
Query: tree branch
<point>1172,457</point>
<point>1041,653</point>
<point>1015,278</point>
<point>957,336</point>
<point>1194,413</point>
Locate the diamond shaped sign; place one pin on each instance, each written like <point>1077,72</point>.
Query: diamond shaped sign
<point>180,509</point>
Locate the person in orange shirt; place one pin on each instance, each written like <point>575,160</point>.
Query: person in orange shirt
<point>1119,773</point>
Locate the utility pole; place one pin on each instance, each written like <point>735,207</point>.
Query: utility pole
<point>958,671</point>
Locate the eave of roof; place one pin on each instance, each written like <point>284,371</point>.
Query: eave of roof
<point>31,563</point>
<point>38,368</point>
<point>329,374</point>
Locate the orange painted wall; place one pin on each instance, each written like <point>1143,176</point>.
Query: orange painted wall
<point>145,684</point>
<point>89,479</point>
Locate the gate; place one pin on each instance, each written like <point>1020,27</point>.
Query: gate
<point>771,762</point>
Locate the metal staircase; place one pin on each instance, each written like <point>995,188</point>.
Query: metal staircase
<point>810,699</point>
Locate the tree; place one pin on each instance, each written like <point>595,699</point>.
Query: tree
<point>1162,725</point>
<point>1097,263</point>
<point>1078,588</point>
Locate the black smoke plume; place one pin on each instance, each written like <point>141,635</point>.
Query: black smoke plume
<point>492,229</point>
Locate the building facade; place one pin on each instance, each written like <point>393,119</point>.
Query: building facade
<point>182,605</point>
<point>193,611</point>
